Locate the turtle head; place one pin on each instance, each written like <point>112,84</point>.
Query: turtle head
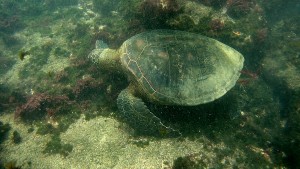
<point>105,57</point>
<point>95,55</point>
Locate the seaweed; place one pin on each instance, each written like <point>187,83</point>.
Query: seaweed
<point>9,98</point>
<point>239,8</point>
<point>16,138</point>
<point>154,14</point>
<point>37,104</point>
<point>188,162</point>
<point>11,165</point>
<point>88,87</point>
<point>22,54</point>
<point>214,3</point>
<point>55,146</point>
<point>106,7</point>
<point>4,128</point>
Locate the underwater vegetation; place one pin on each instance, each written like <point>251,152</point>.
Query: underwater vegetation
<point>40,104</point>
<point>289,140</point>
<point>234,8</point>
<point>55,146</point>
<point>106,7</point>
<point>216,25</point>
<point>87,86</point>
<point>22,54</point>
<point>239,8</point>
<point>9,97</point>
<point>127,18</point>
<point>54,4</point>
<point>10,165</point>
<point>187,162</point>
<point>16,137</point>
<point>213,3</point>
<point>5,63</point>
<point>9,24</point>
<point>260,36</point>
<point>154,14</point>
<point>4,128</point>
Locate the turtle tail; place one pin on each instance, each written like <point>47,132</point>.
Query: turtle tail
<point>136,114</point>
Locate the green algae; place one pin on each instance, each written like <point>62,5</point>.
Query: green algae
<point>58,125</point>
<point>16,137</point>
<point>142,143</point>
<point>4,129</point>
<point>55,146</point>
<point>187,163</point>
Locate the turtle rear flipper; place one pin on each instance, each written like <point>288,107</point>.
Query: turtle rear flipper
<point>135,113</point>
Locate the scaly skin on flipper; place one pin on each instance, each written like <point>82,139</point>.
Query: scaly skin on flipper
<point>140,118</point>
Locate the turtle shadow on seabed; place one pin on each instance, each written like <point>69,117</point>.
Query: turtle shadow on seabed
<point>190,121</point>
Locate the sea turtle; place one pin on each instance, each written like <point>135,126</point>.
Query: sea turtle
<point>169,67</point>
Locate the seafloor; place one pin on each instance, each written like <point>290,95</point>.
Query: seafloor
<point>58,108</point>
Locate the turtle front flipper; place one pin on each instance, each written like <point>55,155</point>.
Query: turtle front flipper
<point>140,118</point>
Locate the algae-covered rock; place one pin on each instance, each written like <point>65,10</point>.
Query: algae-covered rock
<point>281,70</point>
<point>4,128</point>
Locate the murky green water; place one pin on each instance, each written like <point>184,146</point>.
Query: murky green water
<point>60,109</point>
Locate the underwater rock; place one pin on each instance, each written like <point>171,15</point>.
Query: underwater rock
<point>281,71</point>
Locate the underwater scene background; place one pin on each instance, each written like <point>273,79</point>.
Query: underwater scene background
<point>58,109</point>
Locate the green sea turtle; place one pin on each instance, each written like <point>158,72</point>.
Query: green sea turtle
<point>169,67</point>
